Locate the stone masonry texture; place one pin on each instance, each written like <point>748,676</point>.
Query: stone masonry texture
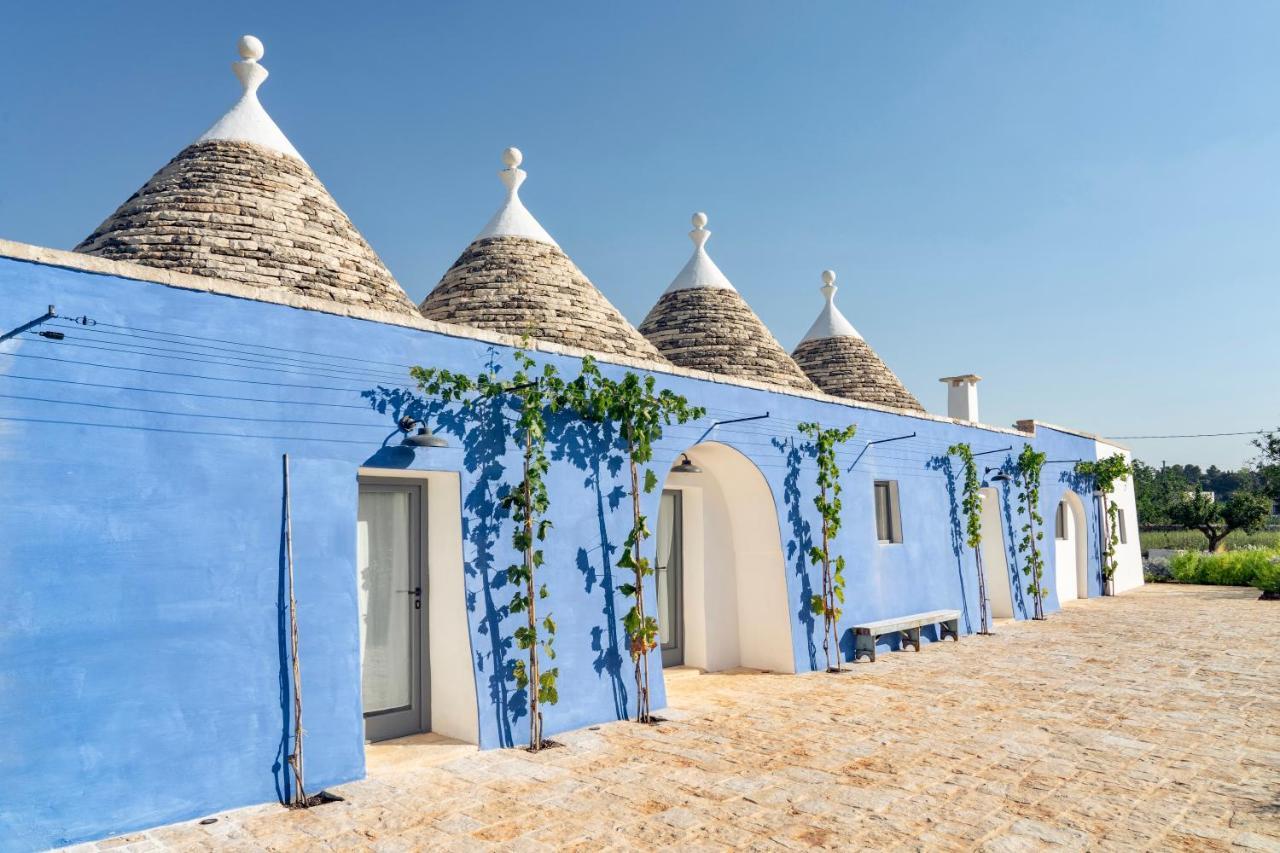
<point>848,367</point>
<point>715,330</point>
<point>521,286</point>
<point>240,212</point>
<point>1149,721</point>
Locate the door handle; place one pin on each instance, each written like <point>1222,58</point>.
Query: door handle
<point>416,592</point>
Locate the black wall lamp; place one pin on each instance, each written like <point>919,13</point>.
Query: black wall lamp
<point>998,477</point>
<point>685,466</point>
<point>423,437</point>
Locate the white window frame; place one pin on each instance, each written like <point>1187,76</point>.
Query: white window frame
<point>892,512</point>
<point>1123,525</point>
<point>1060,521</point>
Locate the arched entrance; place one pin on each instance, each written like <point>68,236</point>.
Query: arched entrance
<point>995,558</point>
<point>1070,557</point>
<point>722,586</point>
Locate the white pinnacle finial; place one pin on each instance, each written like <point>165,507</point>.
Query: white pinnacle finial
<point>830,323</point>
<point>247,121</point>
<point>251,49</point>
<point>513,219</point>
<point>251,74</point>
<point>699,235</point>
<point>829,286</point>
<point>700,271</point>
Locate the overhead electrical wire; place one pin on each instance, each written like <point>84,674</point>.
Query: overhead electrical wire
<point>1191,435</point>
<point>756,434</point>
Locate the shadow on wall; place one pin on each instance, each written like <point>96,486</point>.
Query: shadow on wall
<point>801,538</point>
<point>280,770</point>
<point>482,430</point>
<point>943,464</point>
<point>1007,497</point>
<point>593,447</point>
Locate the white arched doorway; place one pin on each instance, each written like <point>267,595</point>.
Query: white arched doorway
<point>995,558</point>
<point>728,605</point>
<point>1070,557</point>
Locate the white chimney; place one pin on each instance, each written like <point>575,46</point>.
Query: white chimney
<point>962,397</point>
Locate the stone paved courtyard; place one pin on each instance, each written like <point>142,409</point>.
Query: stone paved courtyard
<point>1151,720</point>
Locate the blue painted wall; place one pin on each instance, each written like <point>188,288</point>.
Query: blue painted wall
<point>143,671</point>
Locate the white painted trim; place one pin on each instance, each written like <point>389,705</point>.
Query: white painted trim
<point>1128,554</point>
<point>736,611</point>
<point>693,567</point>
<point>454,702</point>
<point>513,219</point>
<point>995,556</point>
<point>700,270</point>
<point>830,323</point>
<point>247,120</point>
<point>1071,555</point>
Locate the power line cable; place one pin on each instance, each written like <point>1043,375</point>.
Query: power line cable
<point>1191,435</point>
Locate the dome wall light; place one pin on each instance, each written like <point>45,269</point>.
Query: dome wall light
<point>998,477</point>
<point>423,437</point>
<point>686,466</point>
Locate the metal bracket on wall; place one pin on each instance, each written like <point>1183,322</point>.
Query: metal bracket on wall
<point>732,421</point>
<point>13,333</point>
<point>877,441</point>
<point>989,452</point>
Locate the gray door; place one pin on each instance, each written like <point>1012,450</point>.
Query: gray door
<point>670,578</point>
<point>390,562</point>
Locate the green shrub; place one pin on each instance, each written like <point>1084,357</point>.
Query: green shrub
<point>1267,578</point>
<point>1194,540</point>
<point>1233,568</point>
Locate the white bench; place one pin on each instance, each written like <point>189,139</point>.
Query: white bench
<point>908,627</point>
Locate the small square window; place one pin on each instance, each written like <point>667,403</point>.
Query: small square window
<point>888,513</point>
<point>1060,521</point>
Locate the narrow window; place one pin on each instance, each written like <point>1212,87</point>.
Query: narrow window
<point>888,514</point>
<point>1060,521</point>
<point>1124,530</point>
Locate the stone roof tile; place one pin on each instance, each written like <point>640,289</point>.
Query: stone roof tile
<point>522,286</point>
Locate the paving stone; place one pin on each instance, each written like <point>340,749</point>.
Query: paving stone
<point>1077,733</point>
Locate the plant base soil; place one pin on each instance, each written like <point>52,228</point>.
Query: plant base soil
<point>314,800</point>
<point>546,744</point>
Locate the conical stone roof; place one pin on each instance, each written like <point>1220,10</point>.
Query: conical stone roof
<point>514,279</point>
<point>240,204</point>
<point>842,364</point>
<point>702,322</point>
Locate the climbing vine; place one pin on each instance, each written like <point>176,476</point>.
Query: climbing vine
<point>1105,474</point>
<point>830,603</point>
<point>639,414</point>
<point>535,395</point>
<point>971,503</point>
<point>1030,463</point>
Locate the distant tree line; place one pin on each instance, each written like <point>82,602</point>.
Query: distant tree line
<point>1213,501</point>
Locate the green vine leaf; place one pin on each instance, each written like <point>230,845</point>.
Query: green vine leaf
<point>827,502</point>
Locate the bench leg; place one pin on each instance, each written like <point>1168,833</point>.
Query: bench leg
<point>911,637</point>
<point>951,628</point>
<point>864,644</point>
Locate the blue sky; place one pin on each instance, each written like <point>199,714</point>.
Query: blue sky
<point>1080,202</point>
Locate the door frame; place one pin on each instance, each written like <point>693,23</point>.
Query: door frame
<point>673,654</point>
<point>415,719</point>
